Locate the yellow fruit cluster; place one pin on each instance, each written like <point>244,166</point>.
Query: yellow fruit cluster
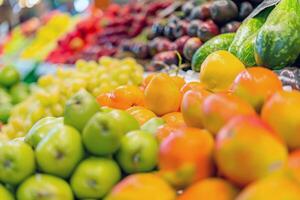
<point>52,91</point>
<point>47,36</point>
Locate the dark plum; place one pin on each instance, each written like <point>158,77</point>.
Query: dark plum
<point>181,29</point>
<point>141,51</point>
<point>191,47</point>
<point>245,9</point>
<point>223,11</point>
<point>165,45</point>
<point>161,42</point>
<point>173,19</point>
<point>201,12</point>
<point>167,58</point>
<point>169,30</point>
<point>187,8</point>
<point>256,1</point>
<point>207,30</point>
<point>180,42</point>
<point>158,28</point>
<point>193,27</point>
<point>231,27</point>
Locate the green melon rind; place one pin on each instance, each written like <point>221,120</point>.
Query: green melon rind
<point>220,42</point>
<point>277,44</point>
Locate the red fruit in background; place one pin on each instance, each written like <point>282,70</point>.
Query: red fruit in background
<point>190,47</point>
<point>181,29</point>
<point>158,44</point>
<point>207,30</point>
<point>180,42</point>
<point>201,12</point>
<point>167,57</point>
<point>76,43</point>
<point>231,27</point>
<point>165,45</point>
<point>186,156</point>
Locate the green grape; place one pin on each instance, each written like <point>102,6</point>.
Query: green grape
<point>49,96</point>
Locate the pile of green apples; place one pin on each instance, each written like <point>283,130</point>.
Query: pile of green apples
<point>81,155</point>
<point>12,91</point>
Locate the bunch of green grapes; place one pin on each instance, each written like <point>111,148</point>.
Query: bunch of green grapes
<point>52,91</point>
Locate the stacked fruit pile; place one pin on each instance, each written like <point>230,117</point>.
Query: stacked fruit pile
<point>102,34</point>
<point>12,91</point>
<point>220,138</point>
<point>52,91</point>
<point>256,41</point>
<point>47,35</point>
<point>193,23</point>
<point>20,37</point>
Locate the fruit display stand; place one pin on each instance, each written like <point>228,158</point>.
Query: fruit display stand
<point>213,121</point>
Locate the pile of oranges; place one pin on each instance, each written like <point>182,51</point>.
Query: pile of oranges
<point>222,140</point>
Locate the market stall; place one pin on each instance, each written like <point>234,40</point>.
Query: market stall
<point>151,100</point>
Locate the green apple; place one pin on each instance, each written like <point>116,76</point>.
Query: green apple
<point>44,187</point>
<point>16,161</point>
<point>41,129</point>
<point>106,109</point>
<point>138,152</point>
<point>152,125</point>
<point>79,109</point>
<point>102,135</point>
<point>5,109</point>
<point>9,76</point>
<point>5,105</point>
<point>5,194</point>
<point>94,177</point>
<point>126,121</point>
<point>4,96</point>
<point>60,151</point>
<point>19,92</point>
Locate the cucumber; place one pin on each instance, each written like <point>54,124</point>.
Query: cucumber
<point>248,27</point>
<point>220,42</point>
<point>246,51</point>
<point>277,44</point>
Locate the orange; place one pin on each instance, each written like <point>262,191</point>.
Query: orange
<point>255,85</point>
<point>122,97</point>
<point>219,108</point>
<point>186,156</point>
<point>179,81</point>
<point>165,130</point>
<point>174,118</point>
<point>147,79</point>
<point>162,95</point>
<point>142,187</point>
<point>275,187</point>
<point>141,114</point>
<point>210,189</point>
<point>191,107</point>
<point>191,85</point>
<point>281,111</point>
<point>247,149</point>
<point>219,70</point>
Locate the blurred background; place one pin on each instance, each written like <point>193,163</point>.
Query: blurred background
<point>14,12</point>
